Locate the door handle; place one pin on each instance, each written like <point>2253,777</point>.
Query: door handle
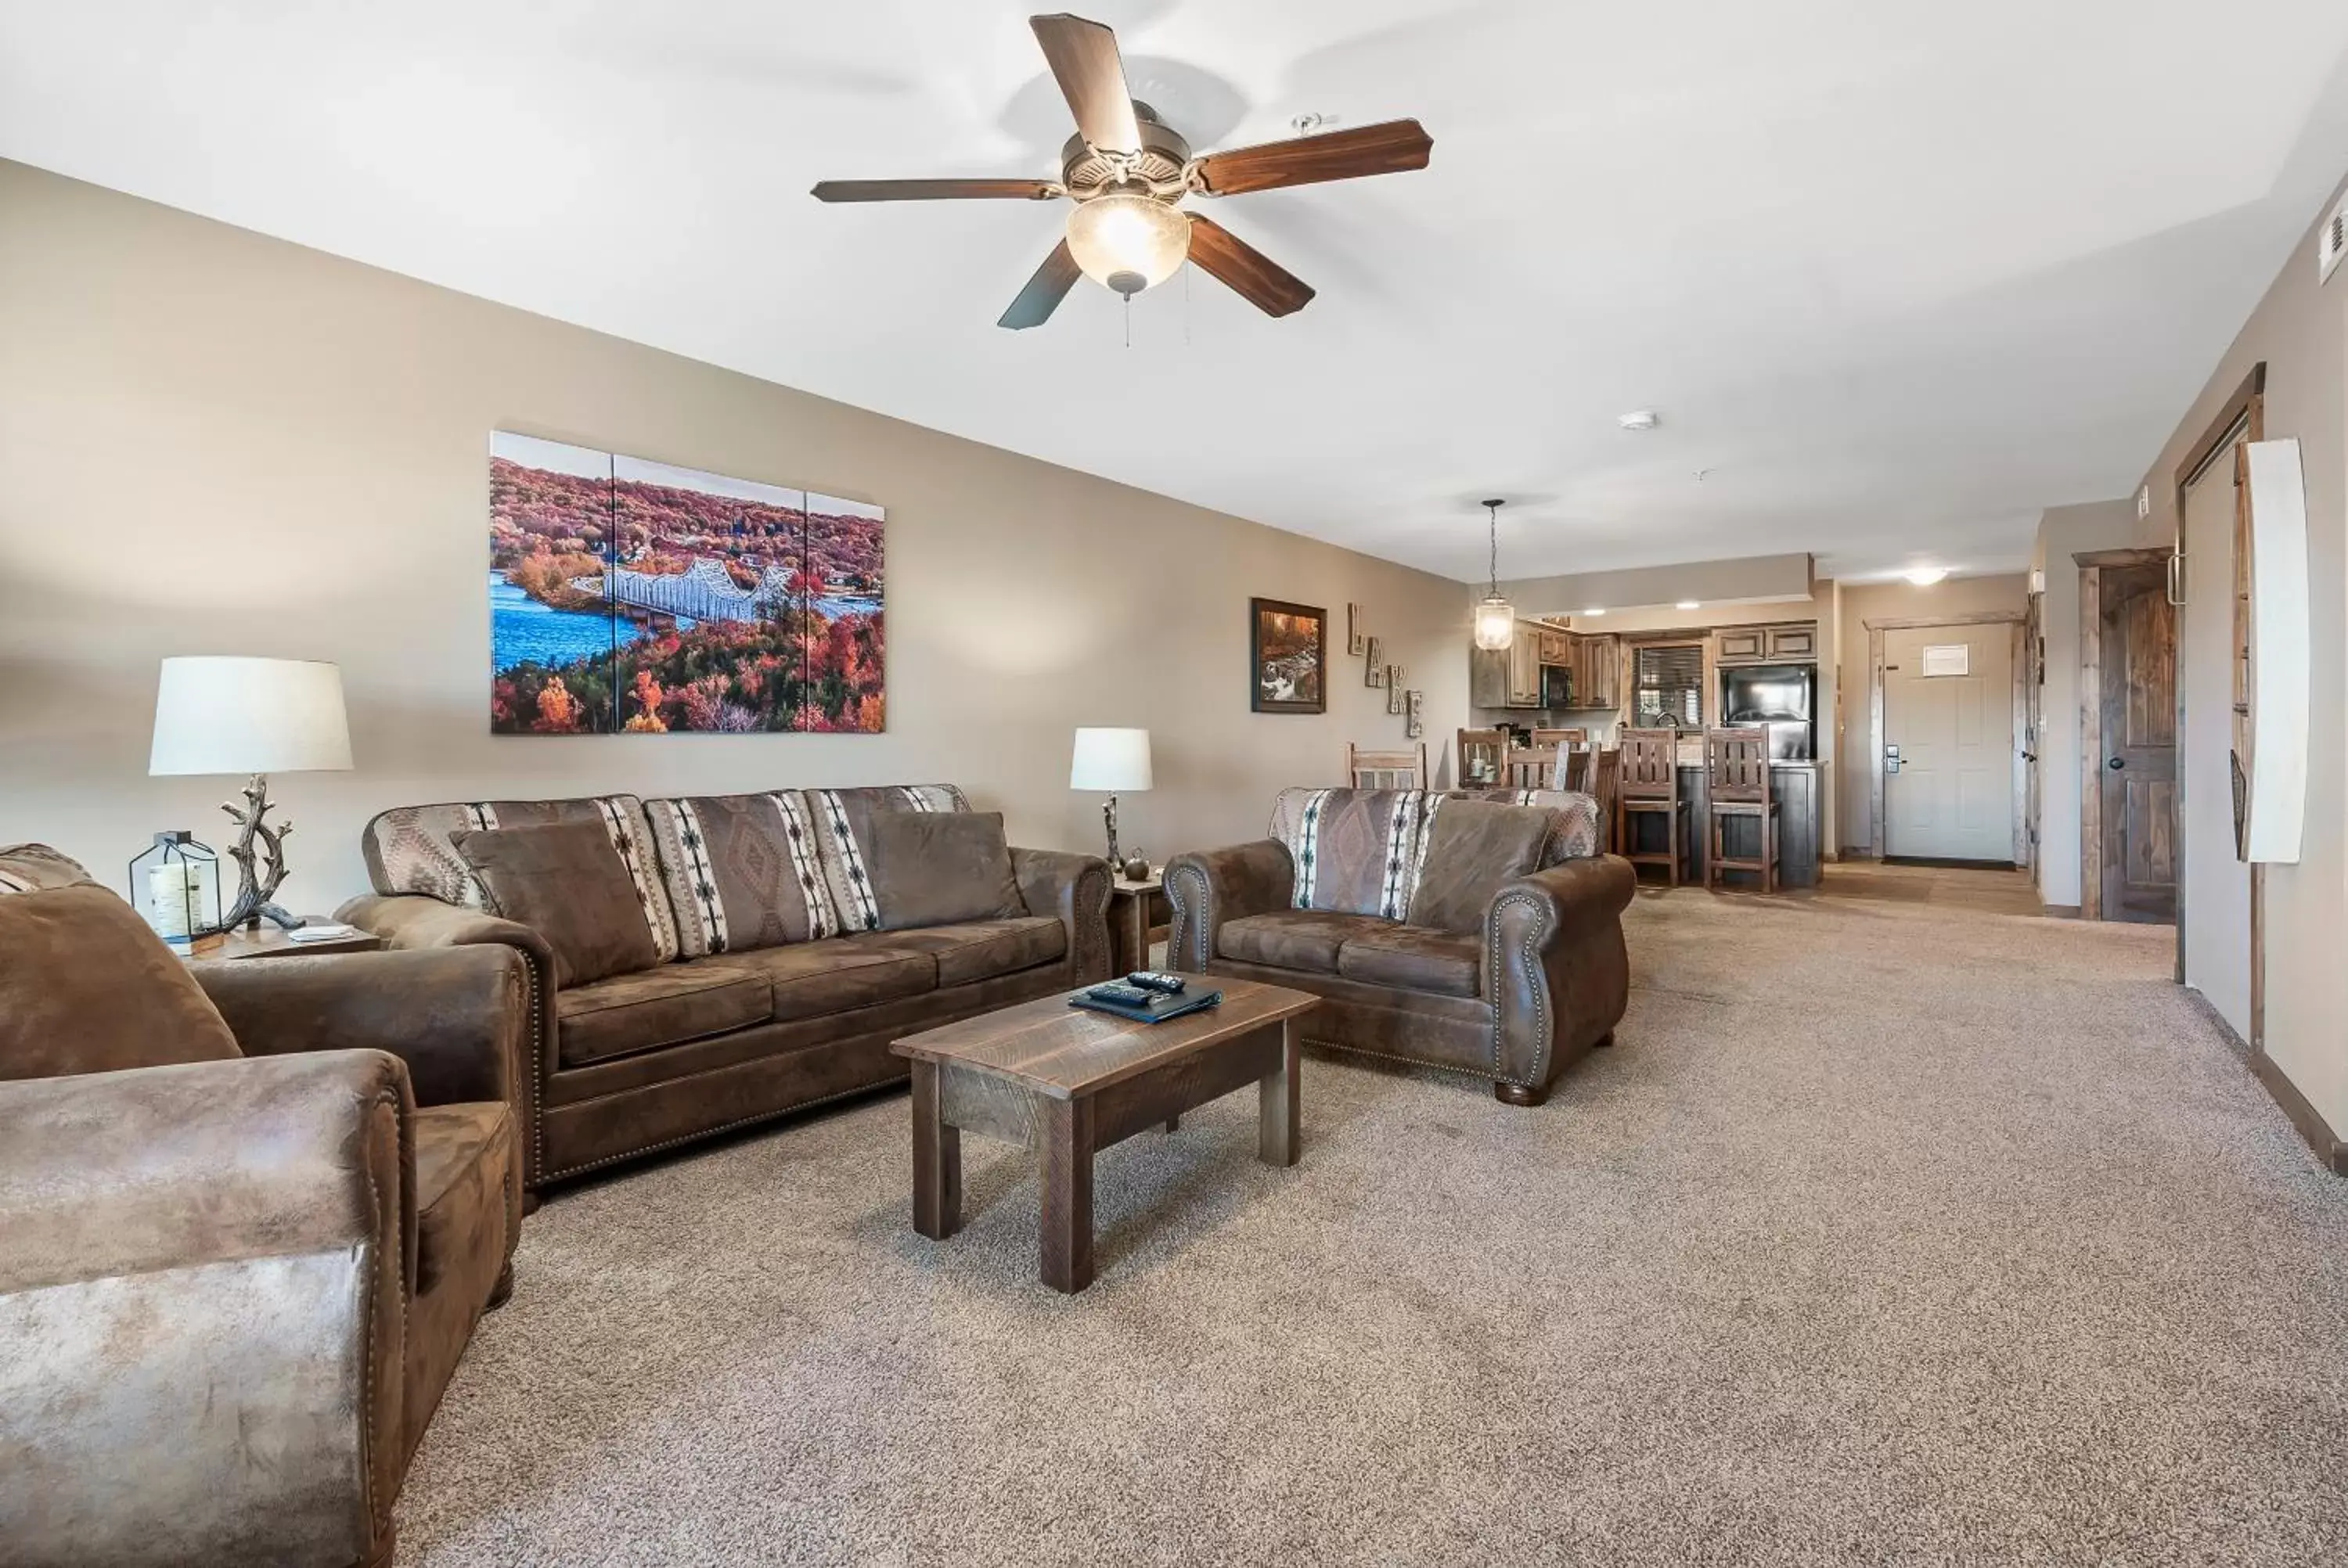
<point>2117,763</point>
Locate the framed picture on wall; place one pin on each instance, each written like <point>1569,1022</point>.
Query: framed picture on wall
<point>1288,646</point>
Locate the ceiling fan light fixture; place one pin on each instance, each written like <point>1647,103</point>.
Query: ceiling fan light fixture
<point>1925,576</point>
<point>1127,242</point>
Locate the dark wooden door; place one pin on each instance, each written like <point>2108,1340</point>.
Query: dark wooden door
<point>2140,732</point>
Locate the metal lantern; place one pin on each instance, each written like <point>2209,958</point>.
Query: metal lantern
<point>175,887</point>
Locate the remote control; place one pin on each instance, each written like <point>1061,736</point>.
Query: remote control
<point>1156,980</point>
<point>1122,996</point>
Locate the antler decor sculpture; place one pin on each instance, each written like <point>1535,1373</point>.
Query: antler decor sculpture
<point>260,856</point>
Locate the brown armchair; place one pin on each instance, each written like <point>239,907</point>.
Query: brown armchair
<point>249,1214</point>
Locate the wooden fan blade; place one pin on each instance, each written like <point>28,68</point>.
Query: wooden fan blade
<point>1044,292</point>
<point>934,190</point>
<point>1083,61</point>
<point>1394,147</point>
<point>1253,276</point>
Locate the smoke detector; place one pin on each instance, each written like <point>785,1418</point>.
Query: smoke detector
<point>1638,419</point>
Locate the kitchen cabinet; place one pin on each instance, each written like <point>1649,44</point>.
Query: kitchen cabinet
<point>1508,676</point>
<point>1796,643</point>
<point>1556,647</point>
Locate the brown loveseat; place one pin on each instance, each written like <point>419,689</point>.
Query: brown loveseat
<point>1478,930</point>
<point>757,957</point>
<point>250,1215</point>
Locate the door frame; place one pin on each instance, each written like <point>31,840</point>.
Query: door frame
<point>1875,631</point>
<point>2092,565</point>
<point>2246,408</point>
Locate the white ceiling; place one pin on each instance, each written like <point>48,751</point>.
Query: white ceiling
<point>1897,275</point>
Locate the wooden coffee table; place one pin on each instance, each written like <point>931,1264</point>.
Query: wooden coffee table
<point>1072,1082</point>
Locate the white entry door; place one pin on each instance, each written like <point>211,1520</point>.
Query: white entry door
<point>1948,736</point>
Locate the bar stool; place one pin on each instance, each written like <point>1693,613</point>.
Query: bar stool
<point>1736,765</point>
<point>1647,780</point>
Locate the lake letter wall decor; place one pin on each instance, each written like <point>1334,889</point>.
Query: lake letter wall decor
<point>628,596</point>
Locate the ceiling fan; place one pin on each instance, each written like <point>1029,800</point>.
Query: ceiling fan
<point>1129,173</point>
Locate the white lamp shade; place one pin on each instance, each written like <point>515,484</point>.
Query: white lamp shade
<point>249,716</point>
<point>1113,760</point>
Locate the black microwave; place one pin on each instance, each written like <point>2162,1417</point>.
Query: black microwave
<point>1557,687</point>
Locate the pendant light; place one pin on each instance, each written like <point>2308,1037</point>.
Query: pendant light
<point>1496,618</point>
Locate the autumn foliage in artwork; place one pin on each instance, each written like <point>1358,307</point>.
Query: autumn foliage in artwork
<point>632,604</point>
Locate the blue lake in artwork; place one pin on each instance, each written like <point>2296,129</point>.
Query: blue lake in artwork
<point>524,632</point>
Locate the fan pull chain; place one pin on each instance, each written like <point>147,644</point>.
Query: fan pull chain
<point>1129,320</point>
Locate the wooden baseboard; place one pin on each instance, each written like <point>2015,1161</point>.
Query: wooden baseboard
<point>2329,1152</point>
<point>2329,1149</point>
<point>2060,912</point>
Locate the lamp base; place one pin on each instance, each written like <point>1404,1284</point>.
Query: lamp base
<point>260,856</point>
<point>1109,815</point>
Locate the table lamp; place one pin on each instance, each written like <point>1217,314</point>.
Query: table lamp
<point>254,716</point>
<point>1111,760</point>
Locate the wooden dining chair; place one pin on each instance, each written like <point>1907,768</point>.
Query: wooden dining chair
<point>1488,748</point>
<point>1405,768</point>
<point>1533,767</point>
<point>1573,737</point>
<point>1647,785</point>
<point>1736,775</point>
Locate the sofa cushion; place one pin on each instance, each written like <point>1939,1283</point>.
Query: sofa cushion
<point>981,950</point>
<point>1354,849</point>
<point>412,849</point>
<point>1473,846</point>
<point>1413,959</point>
<point>1573,817</point>
<point>843,821</point>
<point>566,881</point>
<point>816,979</point>
<point>941,868</point>
<point>664,1006</point>
<point>86,987</point>
<point>1306,939</point>
<point>740,871</point>
<point>460,1193</point>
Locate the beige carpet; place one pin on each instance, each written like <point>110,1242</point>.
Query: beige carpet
<point>1887,1235</point>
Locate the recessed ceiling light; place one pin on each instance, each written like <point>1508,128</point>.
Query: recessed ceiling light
<point>1595,610</point>
<point>1925,576</point>
<point>1691,604</point>
<point>1638,419</point>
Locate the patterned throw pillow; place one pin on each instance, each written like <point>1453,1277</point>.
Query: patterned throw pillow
<point>1573,837</point>
<point>410,849</point>
<point>1355,850</point>
<point>843,820</point>
<point>741,871</point>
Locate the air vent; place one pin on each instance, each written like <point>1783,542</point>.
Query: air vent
<point>2333,242</point>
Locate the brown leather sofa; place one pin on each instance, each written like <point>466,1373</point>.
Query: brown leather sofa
<point>1476,930</point>
<point>759,957</point>
<point>250,1215</point>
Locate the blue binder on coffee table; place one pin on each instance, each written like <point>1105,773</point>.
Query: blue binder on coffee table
<point>1158,1009</point>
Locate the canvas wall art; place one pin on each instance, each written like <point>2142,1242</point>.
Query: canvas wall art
<point>1289,656</point>
<point>631,596</point>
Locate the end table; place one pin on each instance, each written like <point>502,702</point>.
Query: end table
<point>1137,911</point>
<point>267,941</point>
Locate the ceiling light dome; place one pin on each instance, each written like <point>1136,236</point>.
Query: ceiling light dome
<point>1126,242</point>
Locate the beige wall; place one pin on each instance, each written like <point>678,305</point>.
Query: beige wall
<point>213,442</point>
<point>2301,331</point>
<point>2064,532</point>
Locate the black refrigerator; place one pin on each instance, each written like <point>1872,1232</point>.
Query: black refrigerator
<point>1783,697</point>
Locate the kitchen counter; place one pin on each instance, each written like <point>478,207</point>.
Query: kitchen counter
<point>1799,835</point>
